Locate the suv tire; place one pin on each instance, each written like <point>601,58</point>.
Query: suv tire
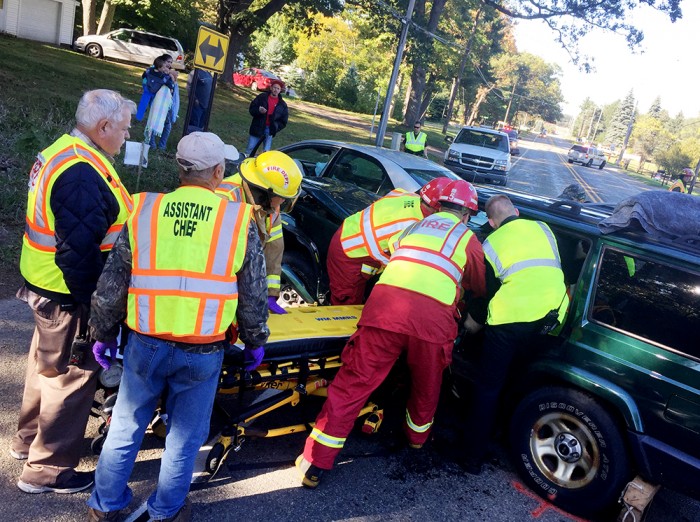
<point>570,161</point>
<point>602,165</point>
<point>569,450</point>
<point>590,163</point>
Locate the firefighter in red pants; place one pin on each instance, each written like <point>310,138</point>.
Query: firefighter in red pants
<point>359,249</point>
<point>411,309</point>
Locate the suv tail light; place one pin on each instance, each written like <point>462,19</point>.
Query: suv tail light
<point>179,58</point>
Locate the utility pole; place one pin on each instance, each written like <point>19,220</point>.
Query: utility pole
<point>595,131</point>
<point>590,124</point>
<point>628,134</point>
<point>512,93</point>
<point>381,130</point>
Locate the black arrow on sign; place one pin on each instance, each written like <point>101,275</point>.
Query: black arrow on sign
<point>206,49</point>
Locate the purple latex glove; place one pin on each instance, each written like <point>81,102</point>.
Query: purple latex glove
<point>252,357</point>
<point>99,350</point>
<point>273,306</point>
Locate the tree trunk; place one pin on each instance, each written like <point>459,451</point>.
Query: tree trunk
<point>480,97</point>
<point>419,70</point>
<point>407,98</point>
<point>88,17</point>
<point>392,102</point>
<point>458,80</point>
<point>106,18</point>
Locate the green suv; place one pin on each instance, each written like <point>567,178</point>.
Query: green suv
<point>616,393</point>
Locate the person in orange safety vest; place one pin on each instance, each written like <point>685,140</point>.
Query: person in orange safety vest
<point>429,262</point>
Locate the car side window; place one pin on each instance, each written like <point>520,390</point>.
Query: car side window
<point>123,36</point>
<point>649,299</point>
<point>312,159</point>
<point>359,170</point>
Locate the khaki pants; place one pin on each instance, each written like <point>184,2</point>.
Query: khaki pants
<point>57,398</point>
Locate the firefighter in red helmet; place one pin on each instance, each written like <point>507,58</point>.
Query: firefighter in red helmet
<point>429,262</point>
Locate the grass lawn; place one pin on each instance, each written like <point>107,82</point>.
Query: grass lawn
<point>41,86</point>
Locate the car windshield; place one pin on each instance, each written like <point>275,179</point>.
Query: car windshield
<point>422,176</point>
<point>488,140</point>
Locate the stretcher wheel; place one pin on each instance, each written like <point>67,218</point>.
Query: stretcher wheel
<point>214,458</point>
<point>97,444</point>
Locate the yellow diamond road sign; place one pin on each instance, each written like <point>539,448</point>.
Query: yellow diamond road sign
<point>210,53</point>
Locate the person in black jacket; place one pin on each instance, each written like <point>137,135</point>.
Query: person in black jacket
<point>76,208</point>
<point>270,114</point>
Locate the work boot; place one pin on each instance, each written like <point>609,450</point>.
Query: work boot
<point>310,474</point>
<point>95,515</point>
<point>184,515</point>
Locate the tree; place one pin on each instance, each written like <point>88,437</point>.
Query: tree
<point>655,110</point>
<point>572,20</point>
<point>240,18</point>
<point>649,135</point>
<point>674,159</point>
<point>617,130</point>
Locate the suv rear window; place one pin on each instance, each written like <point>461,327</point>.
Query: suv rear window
<point>482,139</point>
<point>648,299</point>
<point>580,148</point>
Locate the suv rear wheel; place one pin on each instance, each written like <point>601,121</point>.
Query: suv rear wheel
<point>602,165</point>
<point>569,450</point>
<point>590,163</point>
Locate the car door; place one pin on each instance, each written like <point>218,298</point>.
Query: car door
<point>117,45</point>
<point>144,48</point>
<point>641,331</point>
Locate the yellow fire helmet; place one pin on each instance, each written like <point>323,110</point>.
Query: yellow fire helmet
<point>274,171</point>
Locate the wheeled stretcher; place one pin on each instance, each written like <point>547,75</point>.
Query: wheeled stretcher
<point>301,358</point>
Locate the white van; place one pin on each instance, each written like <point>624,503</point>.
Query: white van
<point>480,154</point>
<point>131,46</point>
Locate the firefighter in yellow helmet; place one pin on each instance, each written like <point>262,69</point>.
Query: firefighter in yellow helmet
<point>268,181</point>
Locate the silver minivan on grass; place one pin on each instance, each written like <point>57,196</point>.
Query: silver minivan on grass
<point>131,45</point>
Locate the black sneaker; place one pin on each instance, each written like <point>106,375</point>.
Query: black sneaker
<point>80,481</point>
<point>310,474</point>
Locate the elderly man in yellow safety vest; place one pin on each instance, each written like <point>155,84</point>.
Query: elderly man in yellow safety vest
<point>187,265</point>
<point>360,247</point>
<point>414,142</point>
<point>269,181</point>
<point>75,210</point>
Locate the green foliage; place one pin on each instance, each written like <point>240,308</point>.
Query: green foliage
<point>674,159</point>
<point>348,89</point>
<point>617,129</point>
<point>649,135</point>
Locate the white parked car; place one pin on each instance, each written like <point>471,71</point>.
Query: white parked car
<point>131,46</point>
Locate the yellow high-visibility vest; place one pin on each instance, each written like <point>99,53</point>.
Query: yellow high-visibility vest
<point>416,143</point>
<point>37,262</point>
<point>525,258</point>
<point>678,186</point>
<point>367,233</point>
<point>187,247</point>
<point>429,257</point>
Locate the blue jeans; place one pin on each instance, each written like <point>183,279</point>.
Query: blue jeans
<point>253,141</point>
<point>152,366</point>
<point>167,126</point>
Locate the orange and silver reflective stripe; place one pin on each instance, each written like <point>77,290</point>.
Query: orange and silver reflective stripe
<point>368,269</point>
<point>429,258</point>
<point>109,179</point>
<point>327,440</point>
<point>231,189</point>
<point>56,162</point>
<point>415,427</point>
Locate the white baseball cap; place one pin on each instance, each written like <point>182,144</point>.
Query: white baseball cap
<point>202,150</point>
